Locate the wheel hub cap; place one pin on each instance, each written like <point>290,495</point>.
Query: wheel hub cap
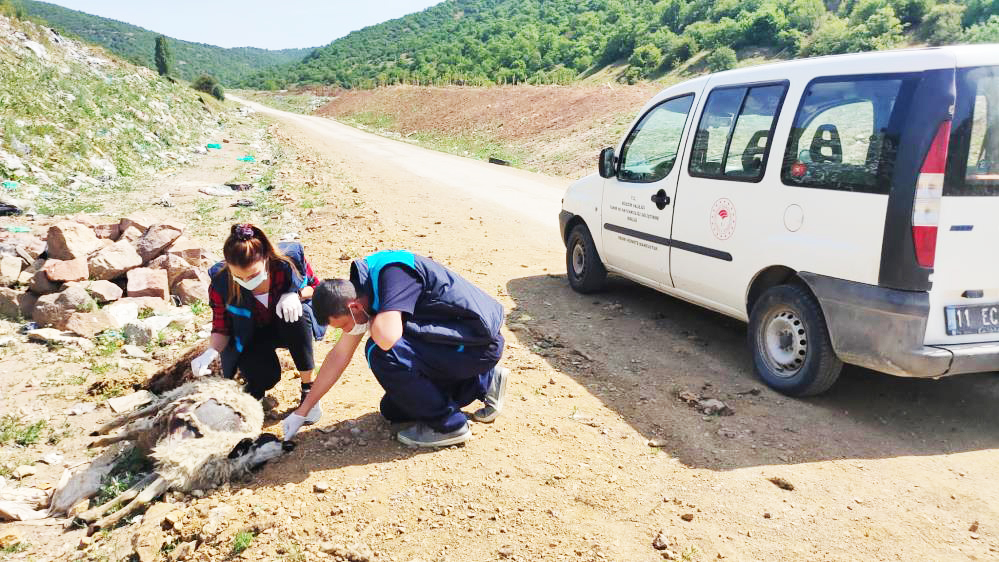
<point>578,260</point>
<point>785,343</point>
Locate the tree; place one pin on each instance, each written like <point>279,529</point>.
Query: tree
<point>722,58</point>
<point>942,24</point>
<point>987,32</point>
<point>163,56</point>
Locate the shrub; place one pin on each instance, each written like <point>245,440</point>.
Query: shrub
<point>646,58</point>
<point>209,85</point>
<point>987,32</point>
<point>912,12</point>
<point>722,58</point>
<point>942,24</point>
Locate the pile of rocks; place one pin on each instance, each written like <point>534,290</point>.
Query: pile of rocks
<point>87,276</point>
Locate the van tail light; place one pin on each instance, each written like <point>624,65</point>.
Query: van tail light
<point>929,192</point>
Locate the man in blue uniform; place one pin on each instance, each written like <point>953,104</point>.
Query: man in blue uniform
<point>434,345</point>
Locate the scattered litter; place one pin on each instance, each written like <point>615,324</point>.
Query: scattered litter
<point>7,341</point>
<point>164,201</point>
<point>82,408</point>
<point>248,158</point>
<point>781,483</point>
<point>289,236</point>
<point>52,459</point>
<point>242,203</point>
<point>240,186</point>
<point>10,185</point>
<point>498,161</point>
<point>135,351</point>
<point>18,229</point>
<point>217,191</point>
<point>8,210</point>
<point>266,162</point>
<point>215,145</point>
<point>27,327</point>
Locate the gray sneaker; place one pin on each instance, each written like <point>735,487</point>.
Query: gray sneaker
<point>422,435</point>
<point>494,397</point>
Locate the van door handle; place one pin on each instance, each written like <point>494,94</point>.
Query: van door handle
<point>660,199</point>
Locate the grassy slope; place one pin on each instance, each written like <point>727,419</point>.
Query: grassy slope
<point>83,123</point>
<point>136,44</point>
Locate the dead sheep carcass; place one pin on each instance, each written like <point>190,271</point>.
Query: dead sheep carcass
<point>199,436</point>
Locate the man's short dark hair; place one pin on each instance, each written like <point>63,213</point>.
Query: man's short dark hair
<point>330,299</point>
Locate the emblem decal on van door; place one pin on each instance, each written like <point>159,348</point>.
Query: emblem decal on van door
<point>722,219</point>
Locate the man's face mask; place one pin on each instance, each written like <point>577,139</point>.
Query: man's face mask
<point>359,328</point>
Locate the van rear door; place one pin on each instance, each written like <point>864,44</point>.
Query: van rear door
<point>964,298</point>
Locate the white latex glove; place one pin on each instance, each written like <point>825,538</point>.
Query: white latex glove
<point>202,364</point>
<point>289,307</point>
<point>291,425</point>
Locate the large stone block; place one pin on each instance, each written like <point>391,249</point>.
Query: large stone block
<point>108,231</point>
<point>10,270</point>
<point>156,239</point>
<point>145,282</point>
<point>191,290</point>
<point>188,249</point>
<point>10,306</point>
<point>131,234</point>
<point>56,308</point>
<point>26,302</point>
<point>141,221</point>
<point>41,285</point>
<point>104,291</point>
<point>60,271</point>
<point>114,261</point>
<point>70,240</point>
<point>89,324</point>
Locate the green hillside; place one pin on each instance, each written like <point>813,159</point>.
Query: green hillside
<point>135,44</point>
<point>557,41</point>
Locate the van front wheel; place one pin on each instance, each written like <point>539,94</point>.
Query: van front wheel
<point>792,351</point>
<point>582,263</point>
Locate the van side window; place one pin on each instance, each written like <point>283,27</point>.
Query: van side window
<point>650,151</point>
<point>845,134</point>
<point>973,158</point>
<point>733,138</point>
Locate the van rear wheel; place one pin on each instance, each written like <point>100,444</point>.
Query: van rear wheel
<point>792,351</point>
<point>582,263</point>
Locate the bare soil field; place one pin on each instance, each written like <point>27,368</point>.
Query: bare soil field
<point>556,130</point>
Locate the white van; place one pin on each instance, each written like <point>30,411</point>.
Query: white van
<point>846,207</point>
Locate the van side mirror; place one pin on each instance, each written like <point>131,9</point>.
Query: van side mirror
<point>607,164</point>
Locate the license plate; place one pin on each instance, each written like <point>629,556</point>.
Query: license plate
<point>975,319</point>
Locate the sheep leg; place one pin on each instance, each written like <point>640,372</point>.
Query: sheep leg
<point>151,492</point>
<point>92,514</point>
<point>129,417</point>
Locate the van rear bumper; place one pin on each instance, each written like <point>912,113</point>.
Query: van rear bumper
<point>883,329</point>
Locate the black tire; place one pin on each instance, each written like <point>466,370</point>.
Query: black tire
<point>792,351</point>
<point>582,262</point>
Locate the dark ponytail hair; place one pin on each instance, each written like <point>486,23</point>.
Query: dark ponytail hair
<point>245,246</point>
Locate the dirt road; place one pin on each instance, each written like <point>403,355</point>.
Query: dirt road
<point>597,454</point>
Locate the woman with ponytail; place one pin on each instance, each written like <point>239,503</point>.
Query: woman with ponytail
<point>261,301</point>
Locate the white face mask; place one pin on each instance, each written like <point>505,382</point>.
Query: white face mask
<point>253,282</point>
<point>358,329</point>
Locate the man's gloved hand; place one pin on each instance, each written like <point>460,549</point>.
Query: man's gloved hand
<point>202,364</point>
<point>291,425</point>
<point>289,307</point>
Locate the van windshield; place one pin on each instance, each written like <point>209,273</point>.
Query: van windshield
<point>973,158</point>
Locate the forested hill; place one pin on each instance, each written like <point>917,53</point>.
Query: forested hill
<point>556,41</point>
<point>136,45</point>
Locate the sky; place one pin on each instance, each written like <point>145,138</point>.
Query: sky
<point>268,24</point>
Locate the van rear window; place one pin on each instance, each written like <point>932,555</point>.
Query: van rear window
<point>846,132</point>
<point>973,158</point>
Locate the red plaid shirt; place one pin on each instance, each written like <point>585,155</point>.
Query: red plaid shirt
<point>262,315</point>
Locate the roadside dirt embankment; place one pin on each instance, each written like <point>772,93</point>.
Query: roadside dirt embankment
<point>557,130</point>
